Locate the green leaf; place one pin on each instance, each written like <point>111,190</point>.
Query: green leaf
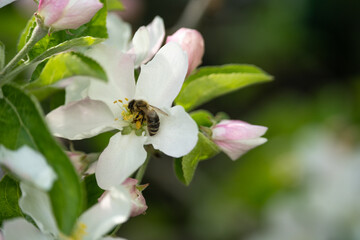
<point>92,190</point>
<point>22,123</point>
<point>2,55</point>
<point>66,65</point>
<point>185,167</point>
<point>211,82</point>
<point>203,118</point>
<point>114,5</point>
<point>9,198</point>
<point>87,34</point>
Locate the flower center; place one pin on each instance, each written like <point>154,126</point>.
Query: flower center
<point>78,233</point>
<point>136,119</point>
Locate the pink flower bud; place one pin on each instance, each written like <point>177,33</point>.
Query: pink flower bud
<point>138,201</point>
<point>67,14</point>
<point>192,42</point>
<point>236,137</point>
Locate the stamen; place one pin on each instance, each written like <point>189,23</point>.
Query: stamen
<point>126,99</point>
<point>120,101</point>
<point>138,125</point>
<point>115,101</point>
<point>116,119</point>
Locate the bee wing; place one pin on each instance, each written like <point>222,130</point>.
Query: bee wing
<point>159,110</point>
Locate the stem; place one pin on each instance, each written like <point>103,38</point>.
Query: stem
<point>142,169</point>
<point>37,34</point>
<point>113,233</point>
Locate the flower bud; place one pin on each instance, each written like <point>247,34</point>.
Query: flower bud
<point>67,14</point>
<point>192,42</point>
<point>236,137</point>
<point>138,201</point>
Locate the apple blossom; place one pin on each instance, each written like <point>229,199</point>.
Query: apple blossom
<point>98,220</point>
<point>67,14</point>
<point>137,199</point>
<point>146,41</point>
<point>192,42</point>
<point>236,137</point>
<point>93,107</point>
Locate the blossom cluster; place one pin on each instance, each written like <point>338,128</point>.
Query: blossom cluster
<point>138,108</point>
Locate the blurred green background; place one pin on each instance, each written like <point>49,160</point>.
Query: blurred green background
<point>304,183</point>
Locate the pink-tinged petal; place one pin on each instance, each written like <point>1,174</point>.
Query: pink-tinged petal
<point>113,209</point>
<point>161,79</point>
<point>51,10</point>
<point>122,157</point>
<point>140,45</point>
<point>73,15</point>
<point>137,199</point>
<point>81,119</point>
<point>236,148</point>
<point>177,135</point>
<point>147,41</point>
<point>36,204</point>
<point>192,42</point>
<point>19,228</point>
<point>29,166</point>
<point>236,137</point>
<point>156,31</point>
<point>237,130</point>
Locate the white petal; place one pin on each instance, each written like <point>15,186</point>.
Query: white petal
<point>157,33</point>
<point>19,228</point>
<point>29,166</point>
<point>161,79</point>
<point>177,135</point>
<point>77,89</point>
<point>112,238</point>
<point>36,204</point>
<point>141,45</point>
<point>119,32</point>
<point>80,119</point>
<point>119,68</point>
<point>113,209</point>
<point>123,155</point>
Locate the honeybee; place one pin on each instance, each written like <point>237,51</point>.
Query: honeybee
<point>143,110</point>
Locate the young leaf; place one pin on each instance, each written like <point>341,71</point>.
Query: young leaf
<point>66,65</point>
<point>186,166</point>
<point>114,5</point>
<point>94,30</point>
<point>22,123</point>
<point>9,197</point>
<point>211,82</point>
<point>2,55</point>
<point>203,118</point>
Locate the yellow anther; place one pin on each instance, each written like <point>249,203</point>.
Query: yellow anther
<point>126,99</point>
<point>115,101</point>
<point>120,100</point>
<point>138,125</point>
<point>116,119</point>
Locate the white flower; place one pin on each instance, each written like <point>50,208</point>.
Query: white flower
<point>145,43</point>
<point>113,209</point>
<point>92,107</point>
